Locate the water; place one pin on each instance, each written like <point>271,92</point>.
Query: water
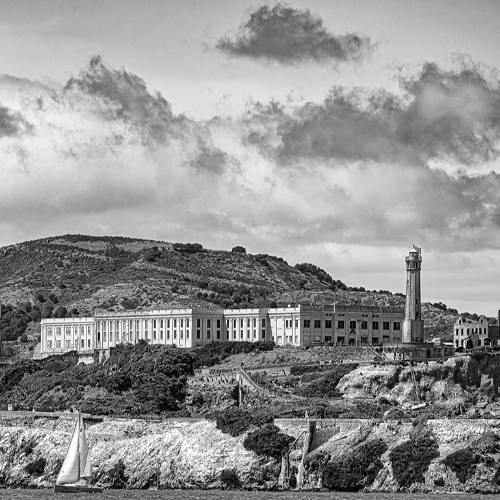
<point>223,495</point>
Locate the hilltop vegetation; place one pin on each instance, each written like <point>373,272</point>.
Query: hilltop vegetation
<point>76,275</point>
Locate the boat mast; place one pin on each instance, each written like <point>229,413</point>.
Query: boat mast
<point>78,444</point>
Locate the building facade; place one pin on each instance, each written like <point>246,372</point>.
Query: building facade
<point>298,326</point>
<point>469,333</point>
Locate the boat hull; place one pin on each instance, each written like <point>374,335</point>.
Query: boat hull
<point>61,488</point>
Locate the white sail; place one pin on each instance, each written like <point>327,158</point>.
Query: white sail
<point>70,470</point>
<point>85,470</point>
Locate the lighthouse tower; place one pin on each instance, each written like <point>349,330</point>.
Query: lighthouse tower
<point>413,326</point>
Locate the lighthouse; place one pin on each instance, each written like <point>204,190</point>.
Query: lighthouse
<point>413,326</point>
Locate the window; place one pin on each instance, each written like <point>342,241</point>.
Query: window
<point>255,334</point>
<point>317,323</point>
<point>263,323</point>
<point>168,323</point>
<point>340,340</point>
<point>58,344</point>
<point>182,323</point>
<point>375,340</point>
<point>241,323</point>
<point>161,323</point>
<point>328,338</point>
<point>209,323</point>
<point>375,325</point>
<point>187,323</point>
<point>328,324</point>
<point>175,322</point>
<point>198,323</point>
<point>234,323</point>
<point>198,334</point>
<point>352,324</point>
<point>218,323</point>
<point>49,330</point>
<point>104,337</point>
<point>248,334</point>
<point>68,330</point>
<point>83,343</point>
<point>341,324</point>
<point>307,323</point>
<point>385,325</point>
<point>161,334</point>
<point>296,323</point>
<point>248,322</point>
<point>187,334</point>
<point>263,334</point>
<point>254,322</point>
<point>168,334</point>
<point>88,343</point>
<point>182,334</point>
<point>218,333</point>
<point>58,330</point>
<point>397,325</point>
<point>208,333</point>
<point>175,334</point>
<point>49,344</point>
<point>154,323</point>
<point>364,325</point>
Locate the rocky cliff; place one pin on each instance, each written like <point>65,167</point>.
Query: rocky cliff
<point>194,454</point>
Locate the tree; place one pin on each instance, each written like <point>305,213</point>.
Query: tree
<point>239,249</point>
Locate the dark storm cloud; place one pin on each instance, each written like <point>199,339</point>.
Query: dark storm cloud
<point>290,36</point>
<point>11,122</point>
<point>453,114</point>
<point>210,158</point>
<point>128,99</point>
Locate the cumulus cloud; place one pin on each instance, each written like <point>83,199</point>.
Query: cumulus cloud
<point>291,36</point>
<point>106,155</point>
<point>452,114</point>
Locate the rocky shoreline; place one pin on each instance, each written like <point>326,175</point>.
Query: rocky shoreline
<point>187,455</point>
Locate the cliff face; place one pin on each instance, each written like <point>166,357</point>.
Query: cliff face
<point>136,454</point>
<point>450,383</point>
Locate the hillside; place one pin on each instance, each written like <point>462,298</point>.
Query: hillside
<point>78,275</point>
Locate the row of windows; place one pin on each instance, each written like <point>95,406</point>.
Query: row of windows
<point>474,330</point>
<point>69,345</point>
<point>352,324</point>
<point>58,329</point>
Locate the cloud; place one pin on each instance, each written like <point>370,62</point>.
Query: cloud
<point>107,156</point>
<point>290,36</point>
<point>11,122</point>
<point>451,114</point>
<point>125,96</point>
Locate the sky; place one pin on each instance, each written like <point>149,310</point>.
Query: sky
<point>333,132</point>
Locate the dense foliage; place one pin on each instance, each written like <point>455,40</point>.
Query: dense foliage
<point>213,354</point>
<point>321,274</point>
<point>464,462</point>
<point>138,379</point>
<point>235,421</point>
<point>326,385</point>
<point>355,470</point>
<point>268,441</point>
<point>230,479</point>
<point>410,460</point>
<point>188,247</point>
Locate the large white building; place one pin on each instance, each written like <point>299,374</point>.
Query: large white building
<point>299,326</point>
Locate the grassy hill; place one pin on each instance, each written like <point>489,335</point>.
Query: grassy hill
<point>78,275</point>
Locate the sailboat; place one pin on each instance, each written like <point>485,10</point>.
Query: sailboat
<point>76,465</point>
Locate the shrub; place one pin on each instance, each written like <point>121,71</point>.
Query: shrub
<point>117,476</point>
<point>230,479</point>
<point>410,460</point>
<point>269,441</point>
<point>190,248</point>
<point>213,354</point>
<point>235,421</point>
<point>355,470</point>
<point>36,467</point>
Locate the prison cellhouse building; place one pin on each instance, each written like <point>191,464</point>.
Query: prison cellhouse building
<point>298,326</point>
